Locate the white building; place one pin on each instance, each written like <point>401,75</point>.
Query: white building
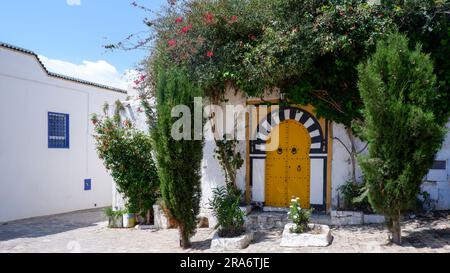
<point>313,160</point>
<point>48,162</point>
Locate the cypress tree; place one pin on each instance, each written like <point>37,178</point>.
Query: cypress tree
<point>398,87</point>
<point>179,161</point>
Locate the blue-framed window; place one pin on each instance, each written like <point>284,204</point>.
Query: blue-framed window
<point>58,130</point>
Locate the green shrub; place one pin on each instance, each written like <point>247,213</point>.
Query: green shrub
<point>424,204</point>
<point>300,217</point>
<point>127,154</point>
<point>225,207</point>
<point>354,197</point>
<point>110,213</point>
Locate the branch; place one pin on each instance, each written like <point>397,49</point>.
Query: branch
<point>322,94</point>
<point>343,144</point>
<point>362,150</point>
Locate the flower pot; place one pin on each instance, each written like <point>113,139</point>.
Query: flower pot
<point>115,222</point>
<point>231,244</point>
<point>129,220</point>
<point>319,235</point>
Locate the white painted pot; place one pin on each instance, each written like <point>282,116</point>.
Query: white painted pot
<point>129,220</point>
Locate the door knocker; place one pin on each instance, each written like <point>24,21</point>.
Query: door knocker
<point>299,168</point>
<point>294,151</point>
<point>280,151</point>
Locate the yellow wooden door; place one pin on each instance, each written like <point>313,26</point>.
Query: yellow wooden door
<point>288,167</point>
<point>298,161</point>
<point>276,188</point>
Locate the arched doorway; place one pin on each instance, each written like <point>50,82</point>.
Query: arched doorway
<point>288,165</point>
<point>263,178</point>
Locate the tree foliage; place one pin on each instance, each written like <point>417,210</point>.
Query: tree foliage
<point>428,22</point>
<point>179,161</point>
<point>127,154</point>
<point>309,49</point>
<point>402,125</point>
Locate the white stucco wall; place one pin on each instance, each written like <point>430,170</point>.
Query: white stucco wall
<point>341,165</point>
<point>36,180</point>
<point>437,182</point>
<point>212,173</point>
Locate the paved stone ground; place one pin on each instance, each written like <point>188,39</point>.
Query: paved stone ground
<point>86,231</point>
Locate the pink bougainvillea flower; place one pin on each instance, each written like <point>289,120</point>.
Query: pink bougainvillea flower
<point>210,54</point>
<point>209,17</point>
<point>126,123</point>
<point>233,19</point>
<point>172,43</point>
<point>186,29</point>
<point>179,20</point>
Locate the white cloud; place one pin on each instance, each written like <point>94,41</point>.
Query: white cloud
<point>100,72</point>
<point>73,2</point>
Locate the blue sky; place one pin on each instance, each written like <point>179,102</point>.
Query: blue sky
<point>72,32</point>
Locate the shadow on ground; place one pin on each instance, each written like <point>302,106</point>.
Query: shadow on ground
<point>432,238</point>
<point>201,245</point>
<point>49,225</point>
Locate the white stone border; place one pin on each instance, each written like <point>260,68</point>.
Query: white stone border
<point>306,239</point>
<point>231,244</point>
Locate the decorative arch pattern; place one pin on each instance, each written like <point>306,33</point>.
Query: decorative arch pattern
<point>309,121</point>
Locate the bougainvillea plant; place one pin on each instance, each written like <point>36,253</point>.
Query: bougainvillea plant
<point>127,154</point>
<point>307,48</point>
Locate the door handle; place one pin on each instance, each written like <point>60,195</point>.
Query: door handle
<point>299,168</point>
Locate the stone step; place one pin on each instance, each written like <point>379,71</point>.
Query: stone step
<point>266,220</point>
<point>262,220</point>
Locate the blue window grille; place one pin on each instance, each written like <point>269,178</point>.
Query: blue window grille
<point>58,130</point>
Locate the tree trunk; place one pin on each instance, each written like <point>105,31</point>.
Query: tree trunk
<point>184,239</point>
<point>395,229</point>
<point>352,153</point>
<point>149,217</point>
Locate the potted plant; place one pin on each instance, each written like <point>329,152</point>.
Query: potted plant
<point>300,232</point>
<point>115,219</point>
<point>231,233</point>
<point>129,219</point>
